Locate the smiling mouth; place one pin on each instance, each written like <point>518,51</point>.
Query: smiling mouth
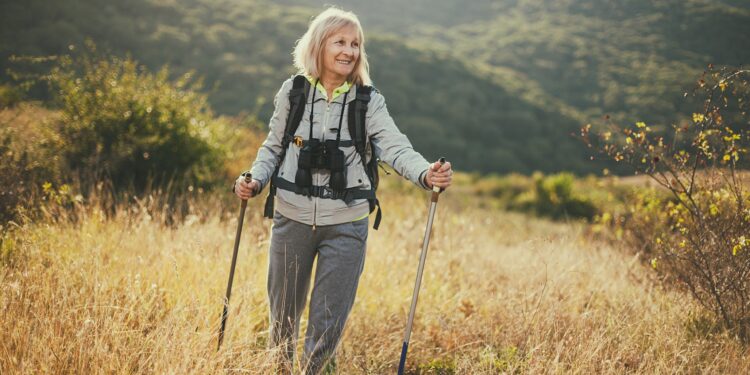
<point>344,62</point>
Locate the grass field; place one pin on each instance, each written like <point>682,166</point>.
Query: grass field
<point>502,293</point>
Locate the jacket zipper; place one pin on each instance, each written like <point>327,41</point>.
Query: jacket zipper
<point>322,138</point>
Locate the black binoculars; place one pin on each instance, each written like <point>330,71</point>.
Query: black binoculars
<point>317,155</point>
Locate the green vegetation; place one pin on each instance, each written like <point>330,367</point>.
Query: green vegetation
<point>495,86</point>
<point>134,127</point>
<point>698,236</point>
<point>117,125</point>
<point>28,159</point>
<point>558,196</point>
<point>621,62</point>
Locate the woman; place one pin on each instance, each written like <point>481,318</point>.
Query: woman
<point>331,55</point>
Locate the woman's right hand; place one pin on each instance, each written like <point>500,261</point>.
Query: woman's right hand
<point>246,190</point>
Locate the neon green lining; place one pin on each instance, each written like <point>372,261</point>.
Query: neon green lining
<point>360,218</point>
<point>336,92</point>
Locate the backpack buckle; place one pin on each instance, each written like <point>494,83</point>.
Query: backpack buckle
<point>324,192</point>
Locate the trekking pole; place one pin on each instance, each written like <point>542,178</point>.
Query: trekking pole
<point>433,204</point>
<point>243,205</point>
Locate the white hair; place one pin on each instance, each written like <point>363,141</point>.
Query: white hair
<point>309,49</point>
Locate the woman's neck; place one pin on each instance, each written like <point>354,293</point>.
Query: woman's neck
<point>331,84</point>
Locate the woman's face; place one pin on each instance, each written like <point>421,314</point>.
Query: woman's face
<point>340,54</point>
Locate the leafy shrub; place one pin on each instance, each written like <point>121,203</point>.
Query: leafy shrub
<point>9,96</point>
<point>553,196</point>
<point>136,128</point>
<point>17,173</point>
<point>27,159</point>
<point>700,235</point>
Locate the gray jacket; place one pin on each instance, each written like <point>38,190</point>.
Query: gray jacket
<point>388,143</point>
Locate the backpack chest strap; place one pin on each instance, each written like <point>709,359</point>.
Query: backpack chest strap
<point>324,192</point>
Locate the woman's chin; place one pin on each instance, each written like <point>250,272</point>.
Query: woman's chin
<point>343,73</point>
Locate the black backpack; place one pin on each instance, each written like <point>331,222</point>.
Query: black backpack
<point>358,132</point>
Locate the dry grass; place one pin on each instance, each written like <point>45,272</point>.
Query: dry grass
<point>502,293</point>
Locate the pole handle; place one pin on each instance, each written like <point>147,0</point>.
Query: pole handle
<point>437,190</point>
<point>248,179</point>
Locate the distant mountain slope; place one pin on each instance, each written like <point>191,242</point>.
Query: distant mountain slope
<point>628,58</point>
<point>496,86</point>
<point>448,110</point>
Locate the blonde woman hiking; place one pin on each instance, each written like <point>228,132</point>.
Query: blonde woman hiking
<point>327,131</point>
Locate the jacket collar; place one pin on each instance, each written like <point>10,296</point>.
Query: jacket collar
<point>338,93</point>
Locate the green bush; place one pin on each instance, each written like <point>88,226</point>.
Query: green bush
<point>699,237</point>
<point>18,172</point>
<point>553,196</point>
<point>139,130</point>
<point>9,96</point>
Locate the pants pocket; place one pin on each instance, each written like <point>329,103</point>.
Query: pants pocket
<point>360,228</point>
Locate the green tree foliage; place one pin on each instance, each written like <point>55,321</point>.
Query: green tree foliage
<point>475,122</point>
<point>9,96</point>
<point>501,84</point>
<point>121,122</point>
<point>700,236</point>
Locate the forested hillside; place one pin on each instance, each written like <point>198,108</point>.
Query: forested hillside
<point>496,86</point>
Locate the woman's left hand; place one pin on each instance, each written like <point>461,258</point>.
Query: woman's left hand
<point>439,175</point>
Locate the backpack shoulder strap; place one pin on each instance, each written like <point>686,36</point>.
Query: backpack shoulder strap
<point>358,131</point>
<point>357,117</point>
<point>297,101</point>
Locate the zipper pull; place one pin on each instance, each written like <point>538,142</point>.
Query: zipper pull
<point>313,227</point>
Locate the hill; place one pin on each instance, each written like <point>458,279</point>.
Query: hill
<point>495,86</point>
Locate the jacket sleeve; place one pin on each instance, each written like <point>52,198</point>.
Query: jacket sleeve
<point>269,152</point>
<point>392,146</point>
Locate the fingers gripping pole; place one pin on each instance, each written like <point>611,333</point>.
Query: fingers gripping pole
<point>422,258</point>
<point>241,218</point>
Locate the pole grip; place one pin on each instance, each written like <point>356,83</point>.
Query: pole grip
<point>248,179</point>
<point>437,190</point>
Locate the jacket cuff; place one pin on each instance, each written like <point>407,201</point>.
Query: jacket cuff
<point>422,177</point>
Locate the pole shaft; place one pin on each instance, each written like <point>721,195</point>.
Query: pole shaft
<point>225,311</point>
<point>420,271</point>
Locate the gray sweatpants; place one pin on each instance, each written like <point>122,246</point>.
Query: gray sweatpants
<point>341,255</point>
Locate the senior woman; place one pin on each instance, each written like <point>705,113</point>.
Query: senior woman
<point>307,222</point>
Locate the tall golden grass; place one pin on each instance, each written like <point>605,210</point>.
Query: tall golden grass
<point>502,293</point>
